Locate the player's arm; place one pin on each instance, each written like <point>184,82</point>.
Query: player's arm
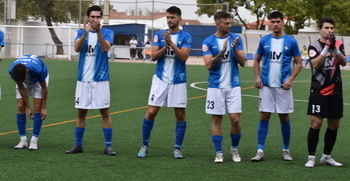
<point>211,62</point>
<point>298,66</point>
<point>78,44</point>
<point>157,52</point>
<point>44,92</point>
<point>182,53</point>
<point>105,44</point>
<point>22,91</point>
<point>341,56</point>
<point>256,68</point>
<point>237,47</point>
<point>240,57</point>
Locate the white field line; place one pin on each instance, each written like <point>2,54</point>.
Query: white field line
<point>246,95</point>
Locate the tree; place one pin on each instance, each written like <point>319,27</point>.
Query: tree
<point>111,8</point>
<point>298,13</point>
<point>256,7</point>
<point>52,11</point>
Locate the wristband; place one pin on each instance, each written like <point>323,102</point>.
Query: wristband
<point>325,51</point>
<point>336,51</point>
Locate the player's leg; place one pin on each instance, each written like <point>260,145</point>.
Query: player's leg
<point>235,135</point>
<point>37,123</point>
<point>180,130</point>
<point>286,132</point>
<point>82,103</point>
<point>177,98</point>
<point>21,124</point>
<point>217,137</point>
<point>215,105</point>
<point>329,140</point>
<point>21,116</point>
<point>317,109</point>
<point>79,132</point>
<point>234,107</point>
<point>263,129</point>
<point>37,92</point>
<point>147,126</point>
<point>156,99</point>
<point>266,107</point>
<point>284,106</point>
<point>107,131</point>
<point>330,137</point>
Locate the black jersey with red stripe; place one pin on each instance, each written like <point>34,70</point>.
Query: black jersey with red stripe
<point>326,80</point>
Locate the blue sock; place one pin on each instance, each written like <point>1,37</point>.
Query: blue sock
<point>217,139</point>
<point>146,130</point>
<point>235,138</point>
<point>262,133</point>
<point>285,129</point>
<point>108,132</point>
<point>21,124</point>
<point>79,133</point>
<point>37,124</point>
<point>180,133</point>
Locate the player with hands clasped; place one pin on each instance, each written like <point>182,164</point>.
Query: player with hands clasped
<point>31,77</point>
<point>326,94</point>
<point>171,49</point>
<point>223,53</point>
<point>277,50</point>
<point>92,90</point>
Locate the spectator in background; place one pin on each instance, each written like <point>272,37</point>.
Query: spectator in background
<point>305,56</point>
<point>140,49</point>
<point>148,51</point>
<point>133,45</point>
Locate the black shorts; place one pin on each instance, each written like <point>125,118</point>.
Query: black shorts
<point>330,107</point>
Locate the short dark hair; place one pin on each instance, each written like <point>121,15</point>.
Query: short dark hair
<point>94,8</point>
<point>326,20</point>
<point>275,15</point>
<point>174,10</point>
<point>221,15</point>
<point>19,72</point>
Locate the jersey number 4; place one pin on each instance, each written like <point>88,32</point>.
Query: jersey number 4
<point>210,104</point>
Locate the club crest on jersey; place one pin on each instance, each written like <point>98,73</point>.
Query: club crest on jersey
<point>205,48</point>
<point>312,53</point>
<point>179,42</point>
<point>156,39</point>
<point>286,47</point>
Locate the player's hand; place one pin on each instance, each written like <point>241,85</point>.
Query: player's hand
<point>30,113</point>
<point>95,25</point>
<point>287,85</point>
<point>258,83</point>
<point>330,40</point>
<point>167,37</point>
<point>224,48</point>
<point>86,24</point>
<point>43,114</point>
<point>234,42</point>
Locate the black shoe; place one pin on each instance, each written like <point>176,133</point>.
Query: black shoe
<point>109,151</point>
<point>75,149</point>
